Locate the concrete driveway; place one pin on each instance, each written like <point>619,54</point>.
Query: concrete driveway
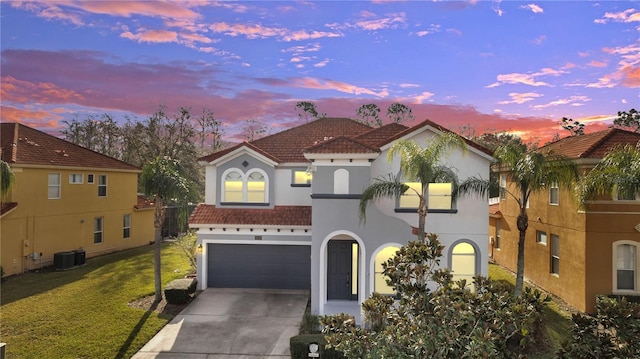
<point>231,324</point>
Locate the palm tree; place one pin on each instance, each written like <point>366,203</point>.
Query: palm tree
<point>164,180</point>
<point>417,164</point>
<point>619,170</point>
<point>531,172</point>
<point>6,178</point>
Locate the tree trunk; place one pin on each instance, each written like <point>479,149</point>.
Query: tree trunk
<point>523,224</point>
<point>159,218</point>
<point>422,218</point>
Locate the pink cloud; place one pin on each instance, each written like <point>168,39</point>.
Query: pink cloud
<point>595,63</point>
<point>157,36</point>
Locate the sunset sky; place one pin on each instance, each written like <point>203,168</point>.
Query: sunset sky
<point>494,65</point>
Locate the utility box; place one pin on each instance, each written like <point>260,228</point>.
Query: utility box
<point>79,257</point>
<point>64,260</point>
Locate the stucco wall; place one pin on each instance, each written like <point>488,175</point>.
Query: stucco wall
<point>41,225</point>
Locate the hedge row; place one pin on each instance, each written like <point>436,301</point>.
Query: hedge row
<point>179,291</point>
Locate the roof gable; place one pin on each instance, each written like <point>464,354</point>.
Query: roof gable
<point>24,145</point>
<point>238,150</point>
<point>592,145</point>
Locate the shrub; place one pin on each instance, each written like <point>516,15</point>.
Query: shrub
<point>612,333</point>
<point>179,291</point>
<point>299,347</point>
<point>188,245</point>
<point>436,317</point>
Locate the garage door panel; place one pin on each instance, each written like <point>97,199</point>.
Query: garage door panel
<point>259,266</point>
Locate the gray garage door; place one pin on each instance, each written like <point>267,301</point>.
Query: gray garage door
<point>259,266</point>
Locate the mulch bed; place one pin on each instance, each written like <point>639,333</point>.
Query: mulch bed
<point>147,303</point>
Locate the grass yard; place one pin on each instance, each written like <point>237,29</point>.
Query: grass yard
<point>83,313</point>
<point>558,320</point>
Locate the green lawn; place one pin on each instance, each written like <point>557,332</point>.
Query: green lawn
<point>558,321</point>
<point>83,313</point>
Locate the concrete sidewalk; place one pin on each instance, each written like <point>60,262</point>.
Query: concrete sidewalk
<point>231,324</point>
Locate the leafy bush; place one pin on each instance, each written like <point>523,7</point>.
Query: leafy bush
<point>299,347</point>
<point>179,291</point>
<point>612,333</point>
<point>436,317</point>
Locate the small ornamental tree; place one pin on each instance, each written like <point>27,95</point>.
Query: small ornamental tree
<point>436,317</point>
<point>163,180</point>
<point>612,333</point>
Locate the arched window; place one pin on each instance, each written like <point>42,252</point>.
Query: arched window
<point>625,266</point>
<point>233,187</point>
<point>463,262</point>
<point>256,188</point>
<point>380,280</point>
<point>244,188</point>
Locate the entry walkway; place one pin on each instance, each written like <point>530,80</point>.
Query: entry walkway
<point>231,324</point>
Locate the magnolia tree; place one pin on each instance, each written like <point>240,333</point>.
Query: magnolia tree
<point>436,317</point>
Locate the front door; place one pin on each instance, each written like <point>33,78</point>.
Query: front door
<point>340,276</point>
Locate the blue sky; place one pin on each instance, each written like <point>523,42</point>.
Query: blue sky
<point>496,65</point>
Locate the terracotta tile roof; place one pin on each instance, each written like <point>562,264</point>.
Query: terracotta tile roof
<point>438,127</point>
<point>143,203</point>
<point>21,144</point>
<point>592,145</point>
<point>494,209</point>
<point>288,145</point>
<point>341,145</point>
<point>379,135</point>
<point>278,215</point>
<point>221,153</point>
<point>6,207</point>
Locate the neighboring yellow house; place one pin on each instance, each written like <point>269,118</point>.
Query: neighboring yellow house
<point>572,252</point>
<point>66,198</point>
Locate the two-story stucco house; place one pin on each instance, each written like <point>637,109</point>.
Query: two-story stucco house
<point>282,212</point>
<point>574,252</point>
<point>65,198</point>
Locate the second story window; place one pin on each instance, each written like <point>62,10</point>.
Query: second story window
<point>244,188</point>
<point>53,189</point>
<point>439,196</point>
<point>256,188</point>
<point>503,186</point>
<point>301,178</point>
<point>554,194</point>
<point>102,185</point>
<point>76,178</point>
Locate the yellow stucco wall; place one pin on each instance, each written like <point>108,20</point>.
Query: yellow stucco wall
<point>585,244</point>
<point>42,225</point>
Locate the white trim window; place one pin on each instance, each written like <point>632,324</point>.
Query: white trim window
<point>625,266</point>
<point>90,178</point>
<point>102,185</point>
<point>555,254</point>
<point>126,226</point>
<point>98,227</point>
<point>503,186</point>
<point>76,178</point>
<point>541,237</point>
<point>245,188</point>
<point>53,186</point>
<point>554,194</point>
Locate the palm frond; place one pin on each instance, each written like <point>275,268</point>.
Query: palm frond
<point>381,188</point>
